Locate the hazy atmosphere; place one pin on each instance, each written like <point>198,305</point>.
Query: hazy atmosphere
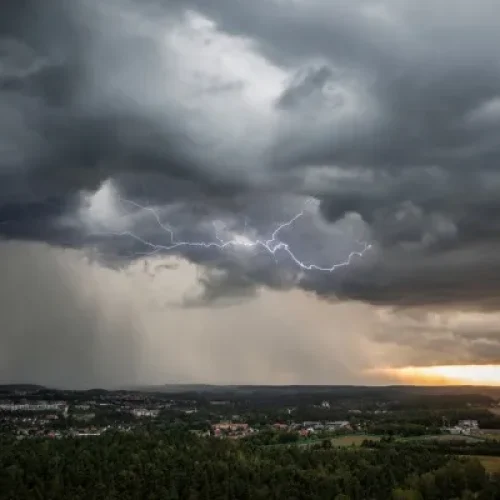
<point>258,192</point>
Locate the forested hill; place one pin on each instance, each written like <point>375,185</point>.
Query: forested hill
<point>21,387</point>
<point>178,466</point>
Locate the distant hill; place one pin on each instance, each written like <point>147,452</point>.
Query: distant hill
<point>338,390</point>
<point>176,388</point>
<point>269,391</point>
<point>21,387</point>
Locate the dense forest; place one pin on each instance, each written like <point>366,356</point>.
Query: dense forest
<point>170,466</point>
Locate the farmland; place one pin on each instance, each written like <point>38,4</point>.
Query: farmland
<point>352,440</point>
<point>491,464</point>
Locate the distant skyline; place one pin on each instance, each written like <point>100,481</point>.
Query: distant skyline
<point>127,126</point>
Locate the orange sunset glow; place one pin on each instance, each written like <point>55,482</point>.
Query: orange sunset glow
<point>445,375</point>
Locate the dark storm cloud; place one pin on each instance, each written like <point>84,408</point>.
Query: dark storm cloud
<point>37,221</point>
<point>221,288</point>
<point>304,86</point>
<point>396,103</point>
<point>54,140</point>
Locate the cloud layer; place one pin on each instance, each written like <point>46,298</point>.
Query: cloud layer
<point>121,121</point>
<point>68,322</point>
<point>387,110</point>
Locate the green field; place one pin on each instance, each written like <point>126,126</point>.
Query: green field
<point>352,440</point>
<point>357,439</point>
<point>491,464</point>
<point>340,441</point>
<point>445,437</point>
<point>493,437</point>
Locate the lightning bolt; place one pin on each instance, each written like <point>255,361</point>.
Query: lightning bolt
<point>272,245</point>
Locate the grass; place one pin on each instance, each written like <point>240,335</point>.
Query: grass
<point>444,437</point>
<point>492,437</point>
<point>491,464</point>
<point>340,441</point>
<point>352,440</point>
<point>356,440</point>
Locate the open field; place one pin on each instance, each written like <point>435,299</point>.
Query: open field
<point>341,441</point>
<point>353,440</point>
<point>445,437</point>
<point>357,439</point>
<point>495,436</point>
<point>491,464</point>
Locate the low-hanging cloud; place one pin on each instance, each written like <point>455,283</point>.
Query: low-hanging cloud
<point>423,337</point>
<point>67,322</point>
<point>63,322</point>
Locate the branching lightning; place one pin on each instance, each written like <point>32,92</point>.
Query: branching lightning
<point>273,245</point>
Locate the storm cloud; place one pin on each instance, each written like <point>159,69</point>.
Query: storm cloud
<point>59,326</point>
<point>380,120</point>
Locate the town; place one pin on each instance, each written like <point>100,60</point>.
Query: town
<point>34,412</point>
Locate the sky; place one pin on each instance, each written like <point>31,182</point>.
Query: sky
<point>138,137</point>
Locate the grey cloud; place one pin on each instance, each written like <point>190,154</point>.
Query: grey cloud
<point>396,104</point>
<point>452,279</point>
<point>303,86</point>
<point>236,272</point>
<point>58,136</point>
<point>437,338</point>
<point>221,288</point>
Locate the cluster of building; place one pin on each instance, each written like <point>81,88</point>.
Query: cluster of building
<point>144,412</point>
<point>464,427</point>
<point>37,406</point>
<point>242,429</point>
<point>85,411</point>
<point>28,419</point>
<point>38,432</point>
<point>232,429</point>
<point>337,425</point>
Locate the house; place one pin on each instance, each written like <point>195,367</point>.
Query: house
<point>468,424</point>
<point>464,427</point>
<point>230,426</point>
<point>231,429</point>
<point>339,424</point>
<point>83,407</point>
<point>280,427</point>
<point>38,406</point>
<point>313,424</point>
<point>141,412</point>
